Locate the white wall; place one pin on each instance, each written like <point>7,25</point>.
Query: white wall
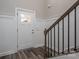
<point>7,7</point>
<point>58,7</point>
<point>38,32</point>
<point>37,5</point>
<point>8,35</point>
<point>78,26</point>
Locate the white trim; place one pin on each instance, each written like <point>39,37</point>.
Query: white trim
<point>2,18</point>
<point>40,45</point>
<point>53,18</point>
<point>65,48</point>
<point>46,20</point>
<point>25,10</point>
<point>16,17</point>
<point>6,16</point>
<point>8,53</point>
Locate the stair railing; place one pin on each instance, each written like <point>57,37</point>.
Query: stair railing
<point>48,43</point>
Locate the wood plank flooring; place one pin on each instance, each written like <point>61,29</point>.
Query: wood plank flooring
<point>35,53</point>
<point>31,53</point>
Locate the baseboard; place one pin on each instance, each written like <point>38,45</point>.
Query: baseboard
<point>7,53</point>
<point>40,45</point>
<point>64,48</point>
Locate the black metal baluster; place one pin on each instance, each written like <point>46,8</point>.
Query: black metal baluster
<point>63,36</point>
<point>54,41</point>
<point>51,42</point>
<point>48,44</point>
<point>58,39</point>
<point>75,48</point>
<point>68,33</point>
<point>45,44</point>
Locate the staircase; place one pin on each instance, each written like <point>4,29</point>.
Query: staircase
<point>62,36</point>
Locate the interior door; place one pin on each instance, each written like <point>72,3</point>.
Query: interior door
<point>25,29</point>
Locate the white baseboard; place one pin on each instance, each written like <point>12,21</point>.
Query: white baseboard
<point>7,53</point>
<point>64,48</point>
<point>40,45</point>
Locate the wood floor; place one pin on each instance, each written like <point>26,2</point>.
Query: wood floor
<point>35,53</point>
<point>31,53</point>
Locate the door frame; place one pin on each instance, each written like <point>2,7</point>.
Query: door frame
<point>16,17</point>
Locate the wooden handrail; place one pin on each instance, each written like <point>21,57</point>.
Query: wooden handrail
<point>64,15</point>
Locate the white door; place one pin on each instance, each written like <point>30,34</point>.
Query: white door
<point>25,29</point>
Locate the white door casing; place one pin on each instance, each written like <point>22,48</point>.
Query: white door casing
<point>25,29</point>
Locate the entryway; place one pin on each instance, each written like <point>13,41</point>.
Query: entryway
<point>24,28</point>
